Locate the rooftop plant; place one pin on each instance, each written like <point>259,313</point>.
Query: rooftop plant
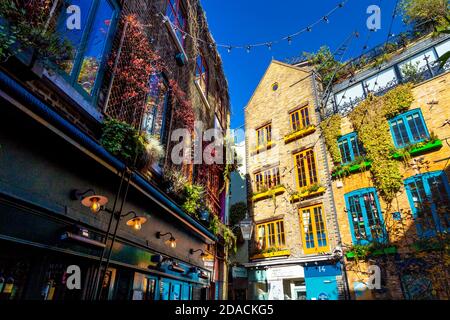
<point>424,13</point>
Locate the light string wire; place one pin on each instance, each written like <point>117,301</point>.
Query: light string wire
<point>325,18</point>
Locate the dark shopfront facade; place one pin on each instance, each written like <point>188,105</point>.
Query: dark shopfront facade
<point>38,169</point>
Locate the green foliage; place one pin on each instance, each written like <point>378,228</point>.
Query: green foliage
<point>397,100</point>
<point>237,213</point>
<point>360,251</point>
<point>123,141</point>
<point>218,228</point>
<point>412,73</point>
<point>325,63</point>
<point>193,199</point>
<point>331,130</point>
<point>423,13</point>
<point>369,120</point>
<point>214,225</point>
<point>24,26</point>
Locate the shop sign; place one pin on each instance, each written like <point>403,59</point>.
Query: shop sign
<point>285,272</point>
<point>239,272</point>
<point>325,270</point>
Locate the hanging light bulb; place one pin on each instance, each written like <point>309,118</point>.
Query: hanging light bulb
<point>289,39</point>
<point>248,49</point>
<point>269,45</point>
<point>95,205</point>
<point>325,18</point>
<point>309,29</point>
<point>229,49</point>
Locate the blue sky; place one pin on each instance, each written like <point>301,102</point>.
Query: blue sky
<point>242,22</point>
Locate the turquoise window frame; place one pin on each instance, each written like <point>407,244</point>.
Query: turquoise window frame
<point>360,193</point>
<point>346,139</point>
<point>434,215</point>
<point>78,59</point>
<point>162,78</point>
<point>403,117</point>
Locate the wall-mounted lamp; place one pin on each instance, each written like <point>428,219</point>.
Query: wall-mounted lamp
<point>171,242</point>
<point>93,201</point>
<point>203,255</point>
<point>136,222</point>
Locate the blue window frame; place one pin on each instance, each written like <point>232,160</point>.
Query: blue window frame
<point>175,13</point>
<point>91,43</point>
<point>429,198</point>
<point>156,107</point>
<point>408,128</point>
<point>350,147</point>
<point>365,218</point>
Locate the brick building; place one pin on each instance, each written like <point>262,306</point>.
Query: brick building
<point>403,232</point>
<point>289,193</point>
<point>150,65</point>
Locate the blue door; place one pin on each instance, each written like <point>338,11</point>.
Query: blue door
<point>321,283</point>
<point>322,288</point>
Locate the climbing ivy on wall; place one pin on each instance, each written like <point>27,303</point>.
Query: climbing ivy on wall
<point>397,100</point>
<point>331,130</point>
<point>369,119</point>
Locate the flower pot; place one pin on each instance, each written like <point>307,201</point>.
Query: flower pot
<point>204,215</point>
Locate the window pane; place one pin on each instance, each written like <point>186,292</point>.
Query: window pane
<point>441,201</point>
<point>74,36</point>
<point>422,206</point>
<point>320,227</point>
<point>301,171</point>
<point>308,228</point>
<point>357,217</point>
<point>345,151</point>
<point>311,167</point>
<point>373,217</point>
<point>400,134</point>
<point>94,52</point>
<point>281,240</point>
<point>416,126</point>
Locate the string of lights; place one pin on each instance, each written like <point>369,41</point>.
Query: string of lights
<point>269,44</point>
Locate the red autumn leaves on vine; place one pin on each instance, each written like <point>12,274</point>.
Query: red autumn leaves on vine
<point>137,62</point>
<point>184,112</point>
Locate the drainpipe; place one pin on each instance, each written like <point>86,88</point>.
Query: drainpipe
<point>342,260</point>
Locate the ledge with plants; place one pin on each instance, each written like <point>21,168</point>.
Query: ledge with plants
<point>221,230</point>
<point>362,252</point>
<point>263,147</point>
<point>299,133</point>
<point>135,148</point>
<point>269,193</point>
<point>358,165</point>
<point>270,253</point>
<point>308,192</point>
<point>416,149</point>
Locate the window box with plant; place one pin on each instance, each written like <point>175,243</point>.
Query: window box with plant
<point>308,192</point>
<point>268,184</point>
<point>358,165</point>
<point>362,252</point>
<point>268,193</point>
<point>270,253</point>
<point>299,133</point>
<point>416,149</point>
